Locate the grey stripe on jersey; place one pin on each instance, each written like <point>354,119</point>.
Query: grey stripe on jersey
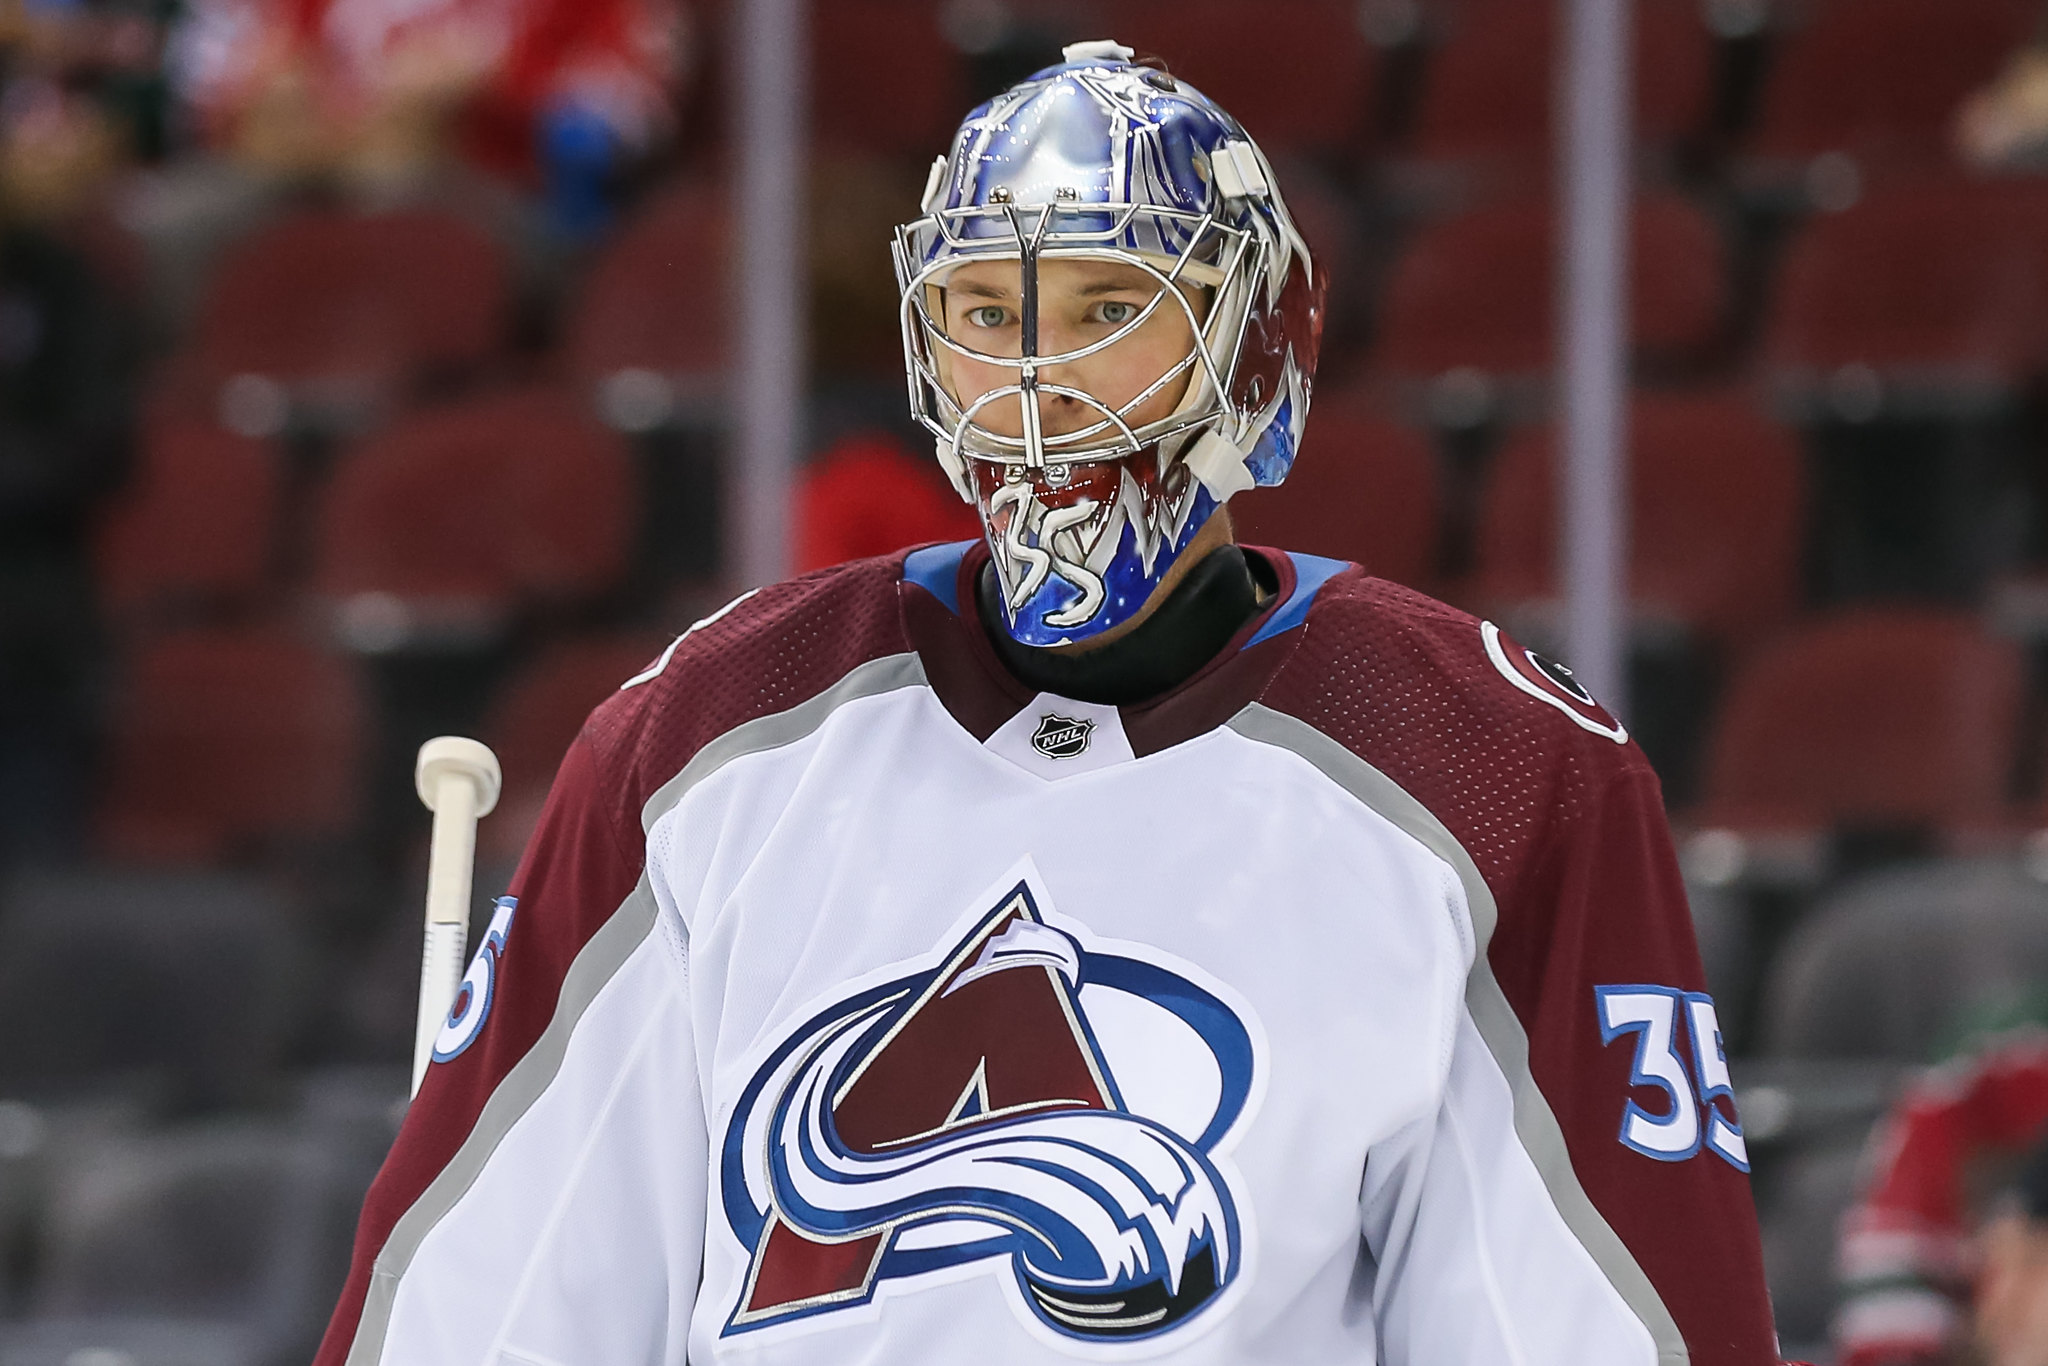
<point>1497,1023</point>
<point>886,674</point>
<point>594,966</point>
<point>601,957</point>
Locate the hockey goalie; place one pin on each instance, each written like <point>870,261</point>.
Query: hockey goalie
<point>1099,939</point>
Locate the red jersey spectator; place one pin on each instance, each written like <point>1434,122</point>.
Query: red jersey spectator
<point>375,90</point>
<point>868,496</point>
<point>1909,1263</point>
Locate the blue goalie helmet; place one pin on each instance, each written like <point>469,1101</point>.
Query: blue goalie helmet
<point>1104,179</point>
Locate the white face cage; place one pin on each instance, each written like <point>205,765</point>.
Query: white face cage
<point>1227,260</point>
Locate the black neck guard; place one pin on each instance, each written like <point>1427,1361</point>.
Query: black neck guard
<point>1186,631</point>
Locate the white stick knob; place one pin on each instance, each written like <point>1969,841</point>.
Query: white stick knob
<point>459,781</point>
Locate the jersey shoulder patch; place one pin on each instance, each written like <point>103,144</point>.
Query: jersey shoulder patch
<point>1501,754</point>
<point>1448,663</point>
<point>1548,682</point>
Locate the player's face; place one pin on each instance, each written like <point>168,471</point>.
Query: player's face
<point>1080,302</point>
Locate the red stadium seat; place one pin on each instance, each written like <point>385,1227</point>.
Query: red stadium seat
<point>355,300</point>
<point>1882,79</point>
<point>531,723</point>
<point>1364,488</point>
<point>224,740</point>
<point>1717,508</point>
<point>196,523</point>
<point>1295,73</point>
<point>1938,285</point>
<point>1490,89</point>
<point>1478,290</point>
<point>1882,717</point>
<point>885,79</point>
<point>452,520</point>
<point>654,305</point>
<point>866,495</point>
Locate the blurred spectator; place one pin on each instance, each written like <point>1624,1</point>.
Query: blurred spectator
<point>78,100</point>
<point>66,369</point>
<point>82,99</point>
<point>1908,1261</point>
<point>529,117</point>
<point>2012,1286</point>
<point>561,93</point>
<point>57,147</point>
<point>2006,123</point>
<point>586,88</point>
<point>867,495</point>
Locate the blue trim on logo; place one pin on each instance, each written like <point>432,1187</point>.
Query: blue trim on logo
<point>1216,1023</point>
<point>746,1220</point>
<point>1311,572</point>
<point>936,569</point>
<point>1044,1242</point>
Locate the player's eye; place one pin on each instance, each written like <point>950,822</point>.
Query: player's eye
<point>988,315</point>
<point>1115,312</point>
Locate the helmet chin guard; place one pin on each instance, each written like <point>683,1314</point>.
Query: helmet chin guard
<point>1098,159</point>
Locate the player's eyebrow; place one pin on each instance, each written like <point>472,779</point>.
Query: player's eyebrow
<point>982,291</point>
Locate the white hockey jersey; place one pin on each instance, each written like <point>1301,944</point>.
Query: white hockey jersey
<point>853,1005</point>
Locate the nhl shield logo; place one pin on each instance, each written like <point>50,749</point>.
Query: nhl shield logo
<point>1061,737</point>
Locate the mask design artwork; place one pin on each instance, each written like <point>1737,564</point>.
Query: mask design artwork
<point>1096,442</point>
<point>1096,546</point>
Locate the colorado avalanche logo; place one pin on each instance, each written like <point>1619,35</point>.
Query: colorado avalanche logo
<point>971,1112</point>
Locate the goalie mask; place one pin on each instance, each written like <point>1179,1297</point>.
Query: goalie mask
<point>1110,325</point>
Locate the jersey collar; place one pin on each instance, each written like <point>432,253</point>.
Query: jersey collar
<point>942,622</point>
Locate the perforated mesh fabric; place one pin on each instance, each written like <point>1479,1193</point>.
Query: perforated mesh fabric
<point>1396,677</point>
<point>1404,682</point>
<point>1567,828</point>
<point>1563,823</point>
<point>779,648</point>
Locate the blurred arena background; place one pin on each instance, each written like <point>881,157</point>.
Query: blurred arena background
<point>366,374</point>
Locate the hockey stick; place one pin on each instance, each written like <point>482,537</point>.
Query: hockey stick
<point>459,781</point>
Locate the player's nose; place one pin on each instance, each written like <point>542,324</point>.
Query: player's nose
<point>1062,412</point>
